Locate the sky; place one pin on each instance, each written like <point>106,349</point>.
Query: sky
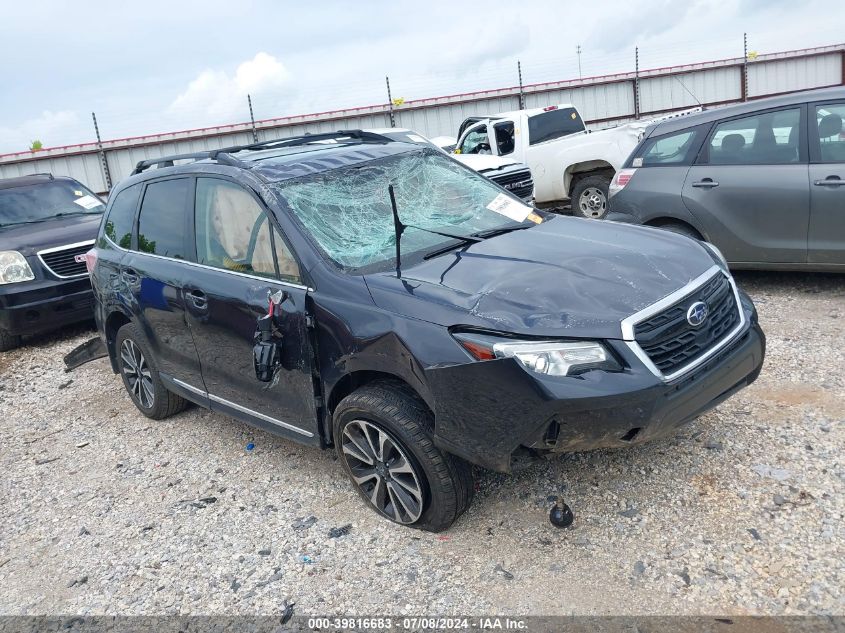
<point>161,66</point>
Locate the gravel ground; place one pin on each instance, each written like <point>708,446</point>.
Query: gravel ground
<point>105,511</point>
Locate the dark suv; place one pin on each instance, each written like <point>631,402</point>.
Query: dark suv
<point>47,225</point>
<point>349,291</point>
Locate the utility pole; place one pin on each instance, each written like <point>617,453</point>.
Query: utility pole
<point>745,66</point>
<point>390,103</point>
<point>637,82</point>
<point>578,52</point>
<point>521,93</point>
<point>252,119</point>
<point>103,161</point>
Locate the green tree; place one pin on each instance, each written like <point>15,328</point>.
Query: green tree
<point>36,145</point>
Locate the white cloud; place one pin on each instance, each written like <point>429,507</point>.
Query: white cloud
<point>217,95</point>
<point>51,128</point>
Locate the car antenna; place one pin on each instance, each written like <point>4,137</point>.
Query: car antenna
<point>398,228</point>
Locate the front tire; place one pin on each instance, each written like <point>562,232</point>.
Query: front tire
<point>8,341</point>
<point>382,435</point>
<point>140,376</point>
<point>590,197</point>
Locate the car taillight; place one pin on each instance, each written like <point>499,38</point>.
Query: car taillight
<point>91,260</point>
<point>622,178</point>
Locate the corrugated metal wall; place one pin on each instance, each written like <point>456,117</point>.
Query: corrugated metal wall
<point>603,102</point>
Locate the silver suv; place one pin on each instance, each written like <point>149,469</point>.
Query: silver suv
<point>763,181</point>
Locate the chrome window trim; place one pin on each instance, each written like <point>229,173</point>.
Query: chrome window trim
<point>242,409</point>
<point>220,270</point>
<point>630,322</point>
<point>56,249</point>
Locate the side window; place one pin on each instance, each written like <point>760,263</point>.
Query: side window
<point>161,221</point>
<point>476,142</point>
<point>234,233</point>
<point>504,137</point>
<point>669,149</point>
<point>118,227</point>
<point>768,138</point>
<point>829,133</point>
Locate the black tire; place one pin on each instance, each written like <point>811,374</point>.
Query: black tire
<point>8,341</point>
<point>589,197</point>
<point>681,229</point>
<point>163,403</point>
<point>446,482</point>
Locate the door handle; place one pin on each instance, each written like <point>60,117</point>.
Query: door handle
<point>198,298</point>
<point>130,276</point>
<point>830,181</point>
<point>705,183</point>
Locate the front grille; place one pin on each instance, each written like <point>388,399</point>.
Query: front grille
<point>520,183</point>
<point>671,342</point>
<point>61,261</point>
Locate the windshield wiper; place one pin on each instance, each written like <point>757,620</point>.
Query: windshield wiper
<point>501,230</point>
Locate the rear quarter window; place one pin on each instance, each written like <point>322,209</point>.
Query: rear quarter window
<point>675,148</point>
<point>121,215</point>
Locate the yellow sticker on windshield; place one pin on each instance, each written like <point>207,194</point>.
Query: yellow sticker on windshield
<point>78,193</point>
<point>536,219</point>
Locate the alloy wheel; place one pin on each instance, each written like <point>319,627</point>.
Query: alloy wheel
<point>137,372</point>
<point>592,202</point>
<point>382,471</point>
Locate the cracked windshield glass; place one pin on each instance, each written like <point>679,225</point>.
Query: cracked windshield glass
<point>348,212</point>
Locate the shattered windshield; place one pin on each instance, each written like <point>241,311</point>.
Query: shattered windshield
<point>348,213</point>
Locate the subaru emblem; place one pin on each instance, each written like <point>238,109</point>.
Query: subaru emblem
<point>697,313</point>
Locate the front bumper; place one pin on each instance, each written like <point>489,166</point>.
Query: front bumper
<point>44,304</point>
<point>485,411</point>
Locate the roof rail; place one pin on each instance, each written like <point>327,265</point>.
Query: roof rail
<point>305,139</point>
<point>223,155</point>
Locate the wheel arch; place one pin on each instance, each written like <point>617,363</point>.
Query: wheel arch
<point>354,380</point>
<point>576,171</point>
<point>115,320</point>
<point>662,221</point>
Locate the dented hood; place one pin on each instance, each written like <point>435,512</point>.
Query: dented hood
<point>565,277</point>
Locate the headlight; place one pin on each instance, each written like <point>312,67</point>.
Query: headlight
<point>14,268</point>
<point>553,359</point>
<point>550,358</point>
<point>717,255</point>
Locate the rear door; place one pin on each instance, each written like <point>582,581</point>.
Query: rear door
<point>240,259</point>
<point>748,188</point>
<point>153,273</point>
<point>826,242</point>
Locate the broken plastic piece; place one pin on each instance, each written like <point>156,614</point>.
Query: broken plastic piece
<point>88,351</point>
<point>250,446</point>
<point>337,532</point>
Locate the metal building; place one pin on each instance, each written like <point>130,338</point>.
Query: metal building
<point>603,101</point>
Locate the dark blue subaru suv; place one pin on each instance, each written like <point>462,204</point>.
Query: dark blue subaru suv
<point>346,290</point>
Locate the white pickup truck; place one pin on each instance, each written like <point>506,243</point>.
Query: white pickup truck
<point>505,171</point>
<point>566,160</point>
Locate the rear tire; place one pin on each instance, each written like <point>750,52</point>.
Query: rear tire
<point>590,198</point>
<point>432,488</point>
<point>9,341</point>
<point>139,372</point>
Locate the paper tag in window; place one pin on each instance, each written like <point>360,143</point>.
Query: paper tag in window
<point>509,207</point>
<point>87,202</point>
<point>637,162</point>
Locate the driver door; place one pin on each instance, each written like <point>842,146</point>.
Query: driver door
<point>241,258</point>
<point>477,139</point>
